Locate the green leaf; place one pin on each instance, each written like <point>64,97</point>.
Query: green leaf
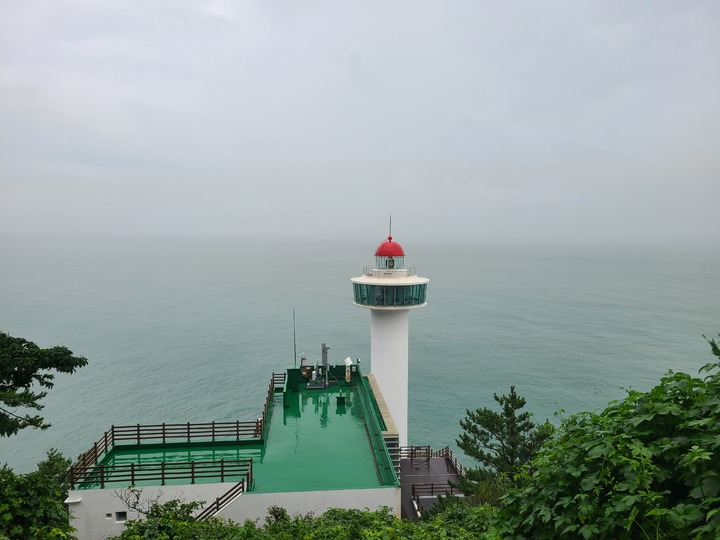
<point>598,450</point>
<point>587,531</point>
<point>626,502</point>
<point>709,487</point>
<point>683,514</point>
<point>589,482</point>
<point>545,514</point>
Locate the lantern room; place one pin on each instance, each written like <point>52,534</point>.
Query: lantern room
<point>389,255</point>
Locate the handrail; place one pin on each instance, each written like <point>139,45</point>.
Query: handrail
<point>222,501</point>
<point>426,452</point>
<point>383,461</point>
<point>213,431</point>
<point>448,454</point>
<point>431,490</point>
<point>139,433</point>
<point>373,270</point>
<point>416,452</point>
<point>186,431</point>
<point>133,473</point>
<point>277,379</point>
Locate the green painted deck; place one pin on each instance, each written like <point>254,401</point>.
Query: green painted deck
<point>312,444</point>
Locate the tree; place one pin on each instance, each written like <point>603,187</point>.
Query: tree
<point>32,506</point>
<point>502,442</point>
<point>25,367</point>
<point>647,466</point>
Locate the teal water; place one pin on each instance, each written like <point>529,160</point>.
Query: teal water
<point>190,330</point>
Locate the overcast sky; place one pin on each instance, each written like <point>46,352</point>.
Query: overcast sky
<point>479,121</point>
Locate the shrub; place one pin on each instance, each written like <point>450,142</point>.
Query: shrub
<point>646,467</point>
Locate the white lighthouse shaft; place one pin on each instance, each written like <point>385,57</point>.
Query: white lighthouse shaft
<point>390,290</point>
<point>389,357</point>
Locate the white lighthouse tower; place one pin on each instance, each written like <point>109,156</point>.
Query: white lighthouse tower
<point>390,290</point>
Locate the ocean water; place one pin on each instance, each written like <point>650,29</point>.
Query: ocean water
<point>190,330</point>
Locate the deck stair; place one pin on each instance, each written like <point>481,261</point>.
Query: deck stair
<point>221,502</point>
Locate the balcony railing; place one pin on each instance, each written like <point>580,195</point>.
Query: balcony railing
<point>426,452</point>
<point>88,471</point>
<point>425,492</point>
<point>162,472</point>
<point>374,271</point>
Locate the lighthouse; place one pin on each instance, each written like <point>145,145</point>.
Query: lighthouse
<point>390,289</point>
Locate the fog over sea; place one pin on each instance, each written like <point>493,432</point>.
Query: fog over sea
<point>180,330</point>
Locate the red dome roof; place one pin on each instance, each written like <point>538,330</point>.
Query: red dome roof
<point>388,248</point>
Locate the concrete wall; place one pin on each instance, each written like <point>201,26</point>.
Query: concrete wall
<point>254,505</point>
<point>95,511</point>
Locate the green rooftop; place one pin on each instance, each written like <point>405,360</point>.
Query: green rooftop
<point>310,439</point>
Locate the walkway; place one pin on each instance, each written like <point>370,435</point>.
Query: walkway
<point>433,470</point>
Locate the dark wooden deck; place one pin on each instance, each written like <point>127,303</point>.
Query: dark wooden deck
<point>424,470</point>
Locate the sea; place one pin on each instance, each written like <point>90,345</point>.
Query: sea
<point>190,330</point>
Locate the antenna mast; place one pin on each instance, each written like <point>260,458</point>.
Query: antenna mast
<point>294,340</point>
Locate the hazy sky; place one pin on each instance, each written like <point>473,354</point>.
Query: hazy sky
<point>479,121</point>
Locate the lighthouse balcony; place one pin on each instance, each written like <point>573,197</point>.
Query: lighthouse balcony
<point>385,272</point>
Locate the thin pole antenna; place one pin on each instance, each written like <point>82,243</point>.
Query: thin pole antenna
<point>390,229</point>
<point>294,340</point>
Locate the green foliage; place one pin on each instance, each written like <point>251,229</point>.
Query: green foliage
<point>174,521</point>
<point>502,442</point>
<point>461,512</point>
<point>336,523</point>
<point>646,467</point>
<point>32,505</point>
<point>23,367</point>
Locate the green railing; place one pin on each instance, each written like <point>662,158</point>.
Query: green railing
<point>375,427</point>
